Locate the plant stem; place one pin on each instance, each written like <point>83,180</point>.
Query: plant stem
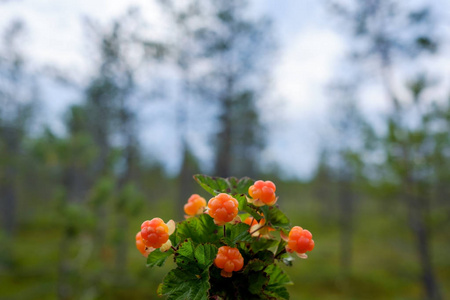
<point>224,231</point>
<point>258,229</point>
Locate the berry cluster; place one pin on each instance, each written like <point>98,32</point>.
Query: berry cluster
<point>154,234</point>
<point>224,208</point>
<point>195,205</point>
<point>299,241</point>
<point>262,193</point>
<point>229,259</point>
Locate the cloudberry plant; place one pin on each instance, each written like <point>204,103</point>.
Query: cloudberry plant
<point>262,193</point>
<point>195,205</point>
<point>228,259</point>
<point>223,208</point>
<point>233,263</point>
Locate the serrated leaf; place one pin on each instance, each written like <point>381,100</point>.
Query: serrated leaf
<point>263,244</point>
<point>158,258</point>
<point>240,186</point>
<point>257,282</point>
<point>278,292</point>
<point>187,249</point>
<point>252,210</point>
<point>200,229</point>
<point>185,258</point>
<point>276,218</point>
<point>277,279</point>
<point>205,255</point>
<point>241,199</point>
<point>238,233</point>
<point>254,265</point>
<point>266,256</point>
<point>217,185</point>
<point>277,275</point>
<point>181,284</point>
<point>213,185</point>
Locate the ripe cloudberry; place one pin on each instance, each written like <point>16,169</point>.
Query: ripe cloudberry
<point>228,259</point>
<point>258,229</point>
<point>155,233</point>
<point>223,208</point>
<point>141,246</point>
<point>262,193</point>
<point>195,205</point>
<point>299,241</point>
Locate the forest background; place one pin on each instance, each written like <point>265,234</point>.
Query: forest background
<point>108,110</point>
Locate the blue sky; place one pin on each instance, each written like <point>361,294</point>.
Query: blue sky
<point>309,54</point>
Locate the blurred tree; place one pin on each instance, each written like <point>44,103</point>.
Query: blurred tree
<point>184,53</point>
<point>18,94</point>
<point>237,50</point>
<point>323,186</point>
<point>350,130</point>
<point>113,104</point>
<point>390,33</point>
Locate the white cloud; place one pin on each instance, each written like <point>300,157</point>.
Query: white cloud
<point>306,66</point>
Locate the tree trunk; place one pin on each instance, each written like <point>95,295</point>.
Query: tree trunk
<point>224,141</point>
<point>418,226</point>
<point>345,195</point>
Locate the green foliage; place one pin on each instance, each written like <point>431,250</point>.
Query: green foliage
<point>197,240</point>
<point>231,185</point>
<point>158,258</point>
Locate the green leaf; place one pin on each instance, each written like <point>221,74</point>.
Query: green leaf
<point>205,255</point>
<point>241,199</point>
<point>263,244</point>
<point>187,249</point>
<point>237,233</point>
<point>277,292</point>
<point>217,185</point>
<point>200,229</point>
<point>266,256</point>
<point>185,256</point>
<point>158,258</point>
<point>181,284</point>
<point>277,280</point>
<point>252,210</point>
<point>281,247</point>
<point>257,282</point>
<point>277,275</point>
<point>276,218</point>
<point>240,186</point>
<point>213,185</point>
<point>254,265</point>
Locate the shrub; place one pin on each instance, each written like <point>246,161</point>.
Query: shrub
<point>228,248</point>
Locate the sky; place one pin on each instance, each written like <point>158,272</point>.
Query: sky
<point>309,51</point>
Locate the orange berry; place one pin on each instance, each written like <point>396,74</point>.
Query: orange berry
<point>195,205</point>
<point>141,246</point>
<point>263,193</point>
<point>229,259</point>
<point>223,208</point>
<point>154,233</point>
<point>300,240</point>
